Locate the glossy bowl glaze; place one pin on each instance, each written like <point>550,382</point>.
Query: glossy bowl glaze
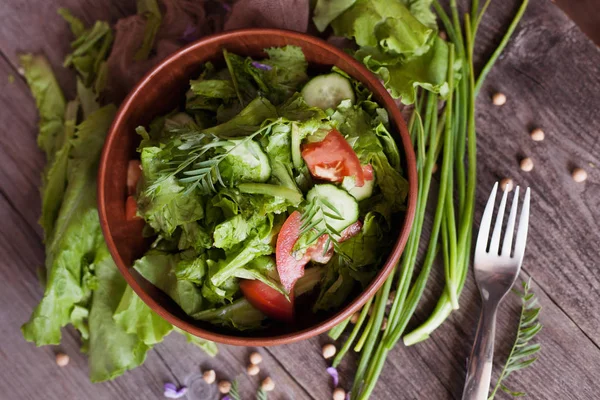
<point>159,92</point>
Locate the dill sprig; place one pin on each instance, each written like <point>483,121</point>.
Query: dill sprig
<point>523,353</point>
<point>261,394</point>
<point>193,168</point>
<point>234,392</point>
<point>317,216</point>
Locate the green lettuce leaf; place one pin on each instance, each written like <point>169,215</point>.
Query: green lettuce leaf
<point>387,24</point>
<point>112,350</point>
<point>366,247</point>
<point>169,205</point>
<point>238,315</point>
<point>135,317</point>
<point>76,234</point>
<point>264,269</point>
<point>90,49</point>
<point>421,10</point>
<point>327,10</point>
<point>150,11</point>
<point>336,285</point>
<point>402,78</point>
<point>158,268</point>
<point>247,121</point>
<point>50,102</point>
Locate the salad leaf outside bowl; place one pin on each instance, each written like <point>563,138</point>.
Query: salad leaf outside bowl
<point>159,92</point>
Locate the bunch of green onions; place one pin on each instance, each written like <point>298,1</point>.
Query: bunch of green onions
<point>449,134</point>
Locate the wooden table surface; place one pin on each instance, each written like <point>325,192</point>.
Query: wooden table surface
<point>550,73</point>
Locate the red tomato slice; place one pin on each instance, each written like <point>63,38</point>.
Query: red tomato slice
<point>368,172</point>
<point>268,300</point>
<point>289,268</point>
<point>318,253</point>
<point>350,231</point>
<point>131,209</point>
<point>332,159</point>
<point>134,171</point>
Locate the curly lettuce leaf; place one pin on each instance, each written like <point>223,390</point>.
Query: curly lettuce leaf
<point>135,317</point>
<point>387,24</point>
<point>158,268</point>
<point>169,205</point>
<point>247,121</point>
<point>112,350</point>
<point>50,102</point>
<point>328,10</point>
<point>402,78</point>
<point>76,234</point>
<point>365,248</point>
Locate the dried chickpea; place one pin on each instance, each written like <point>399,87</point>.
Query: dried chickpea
<point>253,369</point>
<point>499,99</point>
<point>224,387</point>
<point>507,185</point>
<point>526,164</point>
<point>267,384</point>
<point>62,359</point>
<point>537,134</point>
<point>329,351</point>
<point>339,394</point>
<point>579,175</point>
<point>209,376</point>
<point>255,358</point>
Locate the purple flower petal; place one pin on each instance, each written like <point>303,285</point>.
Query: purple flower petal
<point>226,6</point>
<point>334,375</point>
<point>262,66</point>
<point>172,392</point>
<point>226,398</point>
<point>348,396</point>
<point>189,34</point>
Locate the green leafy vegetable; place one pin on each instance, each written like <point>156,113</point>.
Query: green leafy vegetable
<point>522,353</point>
<point>76,234</point>
<point>149,9</point>
<point>112,350</point>
<point>238,315</point>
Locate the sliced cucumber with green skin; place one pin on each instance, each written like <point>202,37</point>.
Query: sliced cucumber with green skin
<point>327,91</point>
<point>359,193</point>
<point>338,208</point>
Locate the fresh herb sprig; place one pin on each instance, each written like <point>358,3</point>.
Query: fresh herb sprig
<point>234,392</point>
<point>523,353</point>
<point>194,169</point>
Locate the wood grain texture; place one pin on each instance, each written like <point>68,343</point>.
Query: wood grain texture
<point>550,74</point>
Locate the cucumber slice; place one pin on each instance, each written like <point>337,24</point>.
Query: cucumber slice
<point>339,209</point>
<point>359,193</point>
<point>327,91</point>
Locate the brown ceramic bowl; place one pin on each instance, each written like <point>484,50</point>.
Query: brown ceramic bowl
<point>159,92</point>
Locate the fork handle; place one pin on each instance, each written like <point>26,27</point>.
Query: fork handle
<point>479,371</point>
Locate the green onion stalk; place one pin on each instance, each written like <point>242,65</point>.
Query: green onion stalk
<point>449,134</point>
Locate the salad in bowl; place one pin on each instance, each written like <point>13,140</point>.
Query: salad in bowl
<point>270,188</point>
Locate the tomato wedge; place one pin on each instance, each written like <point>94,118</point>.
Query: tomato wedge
<point>131,209</point>
<point>288,267</point>
<point>134,171</point>
<point>332,159</point>
<point>368,172</point>
<point>268,300</point>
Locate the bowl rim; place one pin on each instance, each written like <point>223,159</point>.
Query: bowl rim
<point>341,314</point>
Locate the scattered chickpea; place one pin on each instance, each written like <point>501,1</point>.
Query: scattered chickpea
<point>354,318</point>
<point>267,385</point>
<point>526,164</point>
<point>62,359</point>
<point>224,387</point>
<point>253,369</point>
<point>391,298</point>
<point>339,394</point>
<point>499,99</point>
<point>579,175</point>
<point>384,324</point>
<point>329,351</point>
<point>507,185</point>
<point>209,376</point>
<point>537,134</point>
<point>255,358</point>
<point>434,169</point>
<point>443,35</point>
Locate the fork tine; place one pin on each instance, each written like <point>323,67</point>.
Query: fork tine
<point>495,244</point>
<point>510,226</point>
<point>486,222</point>
<point>522,230</point>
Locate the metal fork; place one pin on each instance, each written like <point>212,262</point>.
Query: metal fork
<point>495,273</point>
